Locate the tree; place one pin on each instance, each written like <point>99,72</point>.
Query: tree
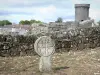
<point>24,22</point>
<point>35,21</point>
<point>5,22</point>
<point>59,20</point>
<point>21,22</point>
<point>27,22</point>
<point>32,21</point>
<point>39,21</point>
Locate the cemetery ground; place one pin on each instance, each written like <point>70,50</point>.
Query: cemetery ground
<point>80,62</point>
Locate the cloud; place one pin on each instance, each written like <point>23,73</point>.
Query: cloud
<point>41,13</point>
<point>50,9</point>
<point>44,10</point>
<point>24,3</point>
<point>7,13</point>
<point>95,14</point>
<point>2,13</point>
<point>81,1</point>
<point>46,14</point>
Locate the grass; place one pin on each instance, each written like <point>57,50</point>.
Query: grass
<point>86,62</point>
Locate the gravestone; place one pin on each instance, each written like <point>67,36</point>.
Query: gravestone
<point>45,47</point>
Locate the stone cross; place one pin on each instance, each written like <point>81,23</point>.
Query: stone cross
<point>45,47</point>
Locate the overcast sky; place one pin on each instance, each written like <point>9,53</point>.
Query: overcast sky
<point>44,10</point>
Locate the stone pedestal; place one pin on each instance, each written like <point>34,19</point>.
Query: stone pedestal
<point>45,64</point>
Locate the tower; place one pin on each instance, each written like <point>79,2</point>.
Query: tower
<point>81,12</point>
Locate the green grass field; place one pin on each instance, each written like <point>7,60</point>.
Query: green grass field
<point>86,62</point>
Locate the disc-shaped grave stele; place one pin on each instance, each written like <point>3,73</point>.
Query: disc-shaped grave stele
<point>44,46</point>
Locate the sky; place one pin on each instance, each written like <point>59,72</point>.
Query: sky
<point>45,10</point>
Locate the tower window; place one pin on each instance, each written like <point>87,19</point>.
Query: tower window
<point>82,20</point>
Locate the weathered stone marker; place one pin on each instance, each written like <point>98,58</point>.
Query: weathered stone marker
<point>45,47</point>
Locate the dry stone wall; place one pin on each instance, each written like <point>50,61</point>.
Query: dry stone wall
<point>84,38</point>
<point>24,45</point>
<point>16,45</point>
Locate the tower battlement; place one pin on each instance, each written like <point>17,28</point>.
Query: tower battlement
<point>82,5</point>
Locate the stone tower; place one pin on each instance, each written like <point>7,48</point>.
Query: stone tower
<point>81,12</point>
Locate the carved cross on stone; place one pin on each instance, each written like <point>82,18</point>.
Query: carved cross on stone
<point>45,47</point>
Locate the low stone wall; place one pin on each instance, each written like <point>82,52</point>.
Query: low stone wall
<point>17,45</point>
<point>85,38</point>
<point>24,45</point>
